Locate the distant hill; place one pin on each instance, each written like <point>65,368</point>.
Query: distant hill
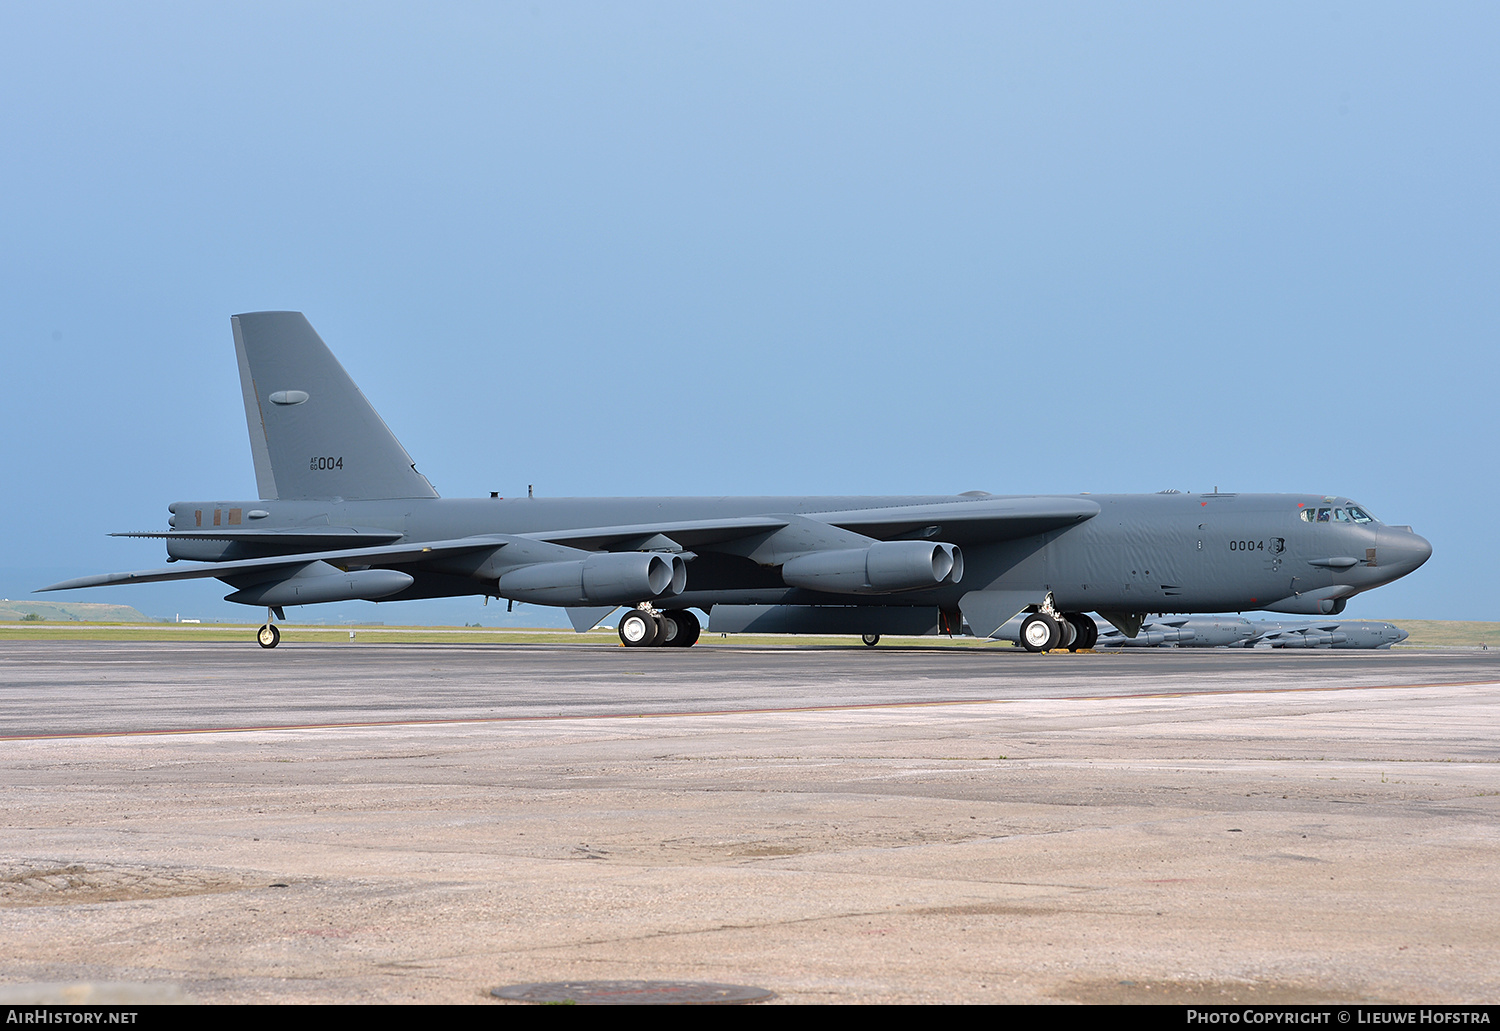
<point>70,612</point>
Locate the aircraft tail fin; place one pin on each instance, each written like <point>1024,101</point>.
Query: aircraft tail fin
<point>313,434</point>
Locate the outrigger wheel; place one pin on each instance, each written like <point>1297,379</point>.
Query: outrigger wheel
<point>268,636</point>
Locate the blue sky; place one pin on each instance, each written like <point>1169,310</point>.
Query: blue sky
<point>685,248</point>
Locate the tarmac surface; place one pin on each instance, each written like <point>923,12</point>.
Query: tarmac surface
<point>422,823</point>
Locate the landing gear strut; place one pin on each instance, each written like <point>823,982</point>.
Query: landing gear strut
<point>268,636</point>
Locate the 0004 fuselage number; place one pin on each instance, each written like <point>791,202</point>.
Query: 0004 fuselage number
<point>322,464</point>
<point>1276,545</point>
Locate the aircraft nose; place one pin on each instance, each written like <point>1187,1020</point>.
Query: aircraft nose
<point>1402,551</point>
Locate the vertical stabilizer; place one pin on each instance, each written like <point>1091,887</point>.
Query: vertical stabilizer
<point>312,433</point>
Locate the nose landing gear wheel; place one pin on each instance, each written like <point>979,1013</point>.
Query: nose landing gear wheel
<point>268,636</point>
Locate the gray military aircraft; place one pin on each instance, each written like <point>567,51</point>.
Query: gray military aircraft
<point>1182,632</point>
<point>1356,633</point>
<point>344,514</point>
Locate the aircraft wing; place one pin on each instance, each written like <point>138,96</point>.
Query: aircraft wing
<point>966,522</point>
<point>304,536</point>
<point>961,522</point>
<point>982,519</point>
<point>389,555</point>
<point>700,533</point>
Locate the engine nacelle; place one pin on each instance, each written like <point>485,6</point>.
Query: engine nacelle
<point>882,568</point>
<point>1148,639</point>
<point>608,578</point>
<point>319,582</point>
<point>1310,640</point>
<point>1327,601</point>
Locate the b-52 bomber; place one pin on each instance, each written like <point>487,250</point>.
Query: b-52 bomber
<point>1224,632</point>
<point>344,514</point>
<point>1334,633</point>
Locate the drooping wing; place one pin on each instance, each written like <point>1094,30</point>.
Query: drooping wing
<point>324,537</point>
<point>696,533</point>
<point>960,522</point>
<point>384,555</point>
<point>981,520</point>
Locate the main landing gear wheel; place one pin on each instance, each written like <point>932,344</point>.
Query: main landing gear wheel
<point>871,640</point>
<point>685,629</point>
<point>268,636</point>
<point>1088,631</point>
<point>638,629</point>
<point>667,629</point>
<point>1040,633</point>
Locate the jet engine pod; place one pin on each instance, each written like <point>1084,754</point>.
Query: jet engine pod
<point>1310,640</point>
<point>607,578</point>
<point>1144,639</point>
<point>882,568</point>
<point>1327,601</point>
<point>319,581</point>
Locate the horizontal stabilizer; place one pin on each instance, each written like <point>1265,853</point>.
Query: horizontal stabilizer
<point>322,536</point>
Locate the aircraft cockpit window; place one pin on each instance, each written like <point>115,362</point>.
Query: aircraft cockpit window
<point>1340,516</point>
<point>1359,515</point>
<point>1307,515</point>
<point>1323,514</point>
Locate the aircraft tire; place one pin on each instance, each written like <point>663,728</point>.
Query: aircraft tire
<point>1087,631</point>
<point>1040,633</point>
<point>871,640</point>
<point>688,629</point>
<point>268,636</point>
<point>1067,633</point>
<point>637,629</point>
<point>667,629</point>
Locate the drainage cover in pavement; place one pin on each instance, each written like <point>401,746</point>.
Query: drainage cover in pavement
<point>632,993</point>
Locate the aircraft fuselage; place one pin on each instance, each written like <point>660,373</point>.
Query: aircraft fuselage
<point>1140,553</point>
